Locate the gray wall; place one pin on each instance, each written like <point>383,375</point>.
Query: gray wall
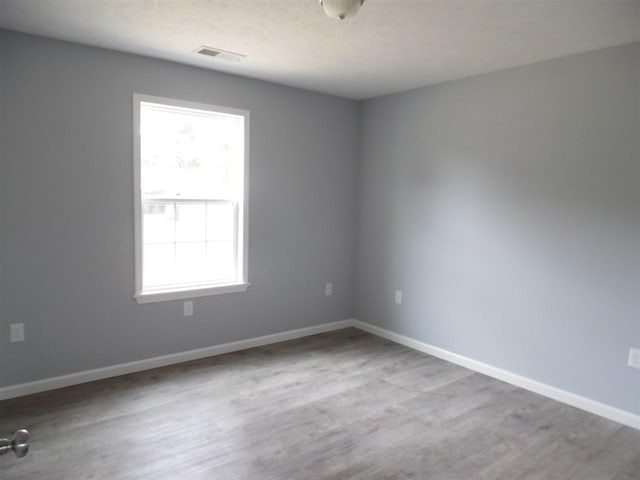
<point>506,207</point>
<point>67,267</point>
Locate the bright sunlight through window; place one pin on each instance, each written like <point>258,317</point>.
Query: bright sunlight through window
<point>190,164</point>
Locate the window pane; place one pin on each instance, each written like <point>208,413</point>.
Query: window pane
<point>158,222</point>
<point>191,263</point>
<point>190,222</point>
<point>221,259</point>
<point>221,223</point>
<point>190,154</point>
<point>159,264</point>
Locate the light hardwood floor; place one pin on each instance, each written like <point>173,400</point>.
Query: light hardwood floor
<point>341,405</point>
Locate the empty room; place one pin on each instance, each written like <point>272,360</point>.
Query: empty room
<point>320,239</point>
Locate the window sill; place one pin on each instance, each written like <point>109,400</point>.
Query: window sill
<point>191,293</point>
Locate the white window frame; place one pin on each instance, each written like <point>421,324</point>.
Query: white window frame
<point>242,242</point>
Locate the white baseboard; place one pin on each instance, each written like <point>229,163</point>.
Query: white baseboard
<point>592,406</point>
<point>583,403</point>
<point>28,388</point>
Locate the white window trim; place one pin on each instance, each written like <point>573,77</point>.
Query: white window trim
<point>243,210</point>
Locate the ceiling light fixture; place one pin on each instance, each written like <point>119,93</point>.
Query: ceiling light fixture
<point>341,9</point>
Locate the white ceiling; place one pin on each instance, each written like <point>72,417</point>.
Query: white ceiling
<point>391,45</point>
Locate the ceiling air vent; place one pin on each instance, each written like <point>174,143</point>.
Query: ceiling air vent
<point>219,54</point>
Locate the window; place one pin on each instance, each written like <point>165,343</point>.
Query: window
<point>190,169</point>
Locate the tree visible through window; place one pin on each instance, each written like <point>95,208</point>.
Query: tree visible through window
<point>191,198</point>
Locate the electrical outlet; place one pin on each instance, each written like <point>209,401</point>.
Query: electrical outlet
<point>634,357</point>
<point>187,309</point>
<point>398,297</point>
<point>16,332</point>
<point>328,289</point>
